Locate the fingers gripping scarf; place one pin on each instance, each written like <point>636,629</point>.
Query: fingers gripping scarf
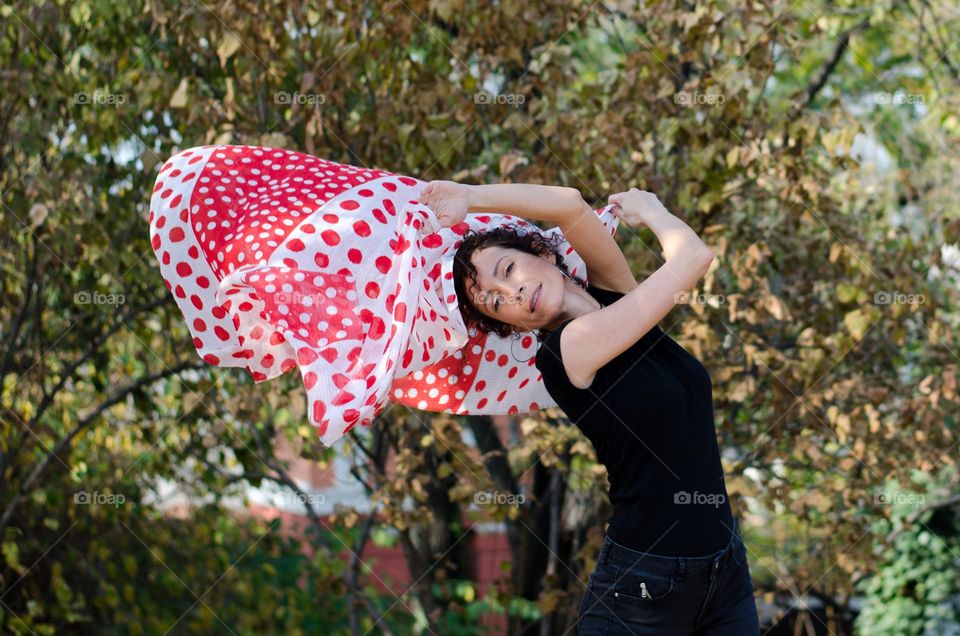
<point>281,260</point>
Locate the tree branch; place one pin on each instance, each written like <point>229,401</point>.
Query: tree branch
<point>64,442</point>
<point>819,80</point>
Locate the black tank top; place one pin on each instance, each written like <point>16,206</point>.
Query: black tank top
<point>649,415</point>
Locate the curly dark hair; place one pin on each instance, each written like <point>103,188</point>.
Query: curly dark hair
<point>510,235</point>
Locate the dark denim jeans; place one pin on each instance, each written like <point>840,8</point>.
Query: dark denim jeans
<point>634,592</point>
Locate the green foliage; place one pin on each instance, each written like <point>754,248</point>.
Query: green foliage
<point>146,573</point>
<point>466,612</point>
<point>916,588</point>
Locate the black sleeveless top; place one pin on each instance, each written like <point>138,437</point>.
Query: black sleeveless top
<point>649,415</point>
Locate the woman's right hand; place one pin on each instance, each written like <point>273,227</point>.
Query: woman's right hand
<point>637,207</point>
<point>449,200</point>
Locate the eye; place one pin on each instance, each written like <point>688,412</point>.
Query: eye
<point>509,267</point>
<point>496,304</point>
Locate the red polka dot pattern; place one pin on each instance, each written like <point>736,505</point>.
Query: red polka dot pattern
<point>278,259</point>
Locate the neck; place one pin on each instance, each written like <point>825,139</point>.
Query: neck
<point>577,301</point>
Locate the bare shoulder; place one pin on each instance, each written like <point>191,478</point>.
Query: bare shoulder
<point>624,322</point>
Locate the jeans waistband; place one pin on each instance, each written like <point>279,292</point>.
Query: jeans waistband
<point>613,552</point>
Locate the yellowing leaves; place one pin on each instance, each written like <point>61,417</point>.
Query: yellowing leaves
<point>777,308</point>
<point>510,161</point>
<point>461,492</point>
<point>835,251</point>
<point>873,417</point>
<point>733,156</point>
<point>179,97</point>
<point>11,555</point>
<point>9,383</point>
<point>743,389</point>
<point>812,358</point>
<point>549,600</point>
<point>228,46</point>
<point>849,293</point>
<point>839,141</point>
<point>38,214</point>
<point>444,9</point>
<point>840,422</point>
<point>528,425</point>
<point>857,322</point>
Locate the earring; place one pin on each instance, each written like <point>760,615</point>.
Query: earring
<point>512,340</point>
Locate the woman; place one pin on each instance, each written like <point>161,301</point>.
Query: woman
<point>673,561</point>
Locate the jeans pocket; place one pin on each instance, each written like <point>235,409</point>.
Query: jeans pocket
<point>644,588</point>
<point>739,556</point>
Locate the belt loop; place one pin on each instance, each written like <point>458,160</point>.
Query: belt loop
<point>611,548</point>
<point>734,539</point>
<point>733,535</point>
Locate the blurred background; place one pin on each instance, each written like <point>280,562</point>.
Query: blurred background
<point>813,145</point>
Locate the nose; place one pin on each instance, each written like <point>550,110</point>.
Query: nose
<point>519,294</point>
<point>512,294</point>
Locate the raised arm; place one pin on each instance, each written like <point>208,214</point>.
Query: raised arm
<point>452,201</point>
<point>606,265</point>
<point>594,339</point>
<point>554,204</point>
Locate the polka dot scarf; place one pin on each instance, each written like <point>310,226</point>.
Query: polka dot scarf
<point>281,260</point>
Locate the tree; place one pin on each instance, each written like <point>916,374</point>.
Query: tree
<point>828,322</point>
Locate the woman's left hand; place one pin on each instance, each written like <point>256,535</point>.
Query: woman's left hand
<point>449,200</point>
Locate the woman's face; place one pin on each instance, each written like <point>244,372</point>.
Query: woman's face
<point>509,279</point>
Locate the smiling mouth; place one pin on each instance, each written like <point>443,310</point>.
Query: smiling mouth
<point>535,298</point>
